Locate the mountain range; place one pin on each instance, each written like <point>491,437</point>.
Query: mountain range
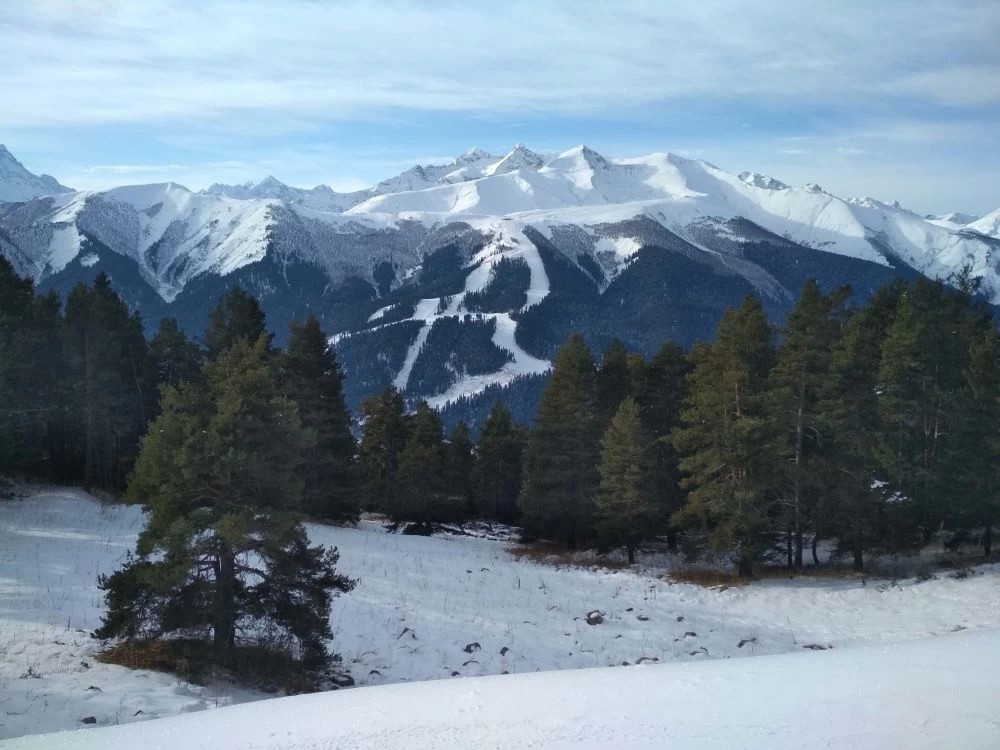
<point>454,280</point>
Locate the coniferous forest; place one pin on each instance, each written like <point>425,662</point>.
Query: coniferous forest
<point>874,429</point>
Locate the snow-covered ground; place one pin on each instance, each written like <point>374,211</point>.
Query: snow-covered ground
<point>441,608</point>
<point>921,694</point>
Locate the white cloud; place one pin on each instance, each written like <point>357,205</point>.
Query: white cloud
<point>247,64</point>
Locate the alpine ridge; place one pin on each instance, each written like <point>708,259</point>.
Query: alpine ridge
<point>454,280</point>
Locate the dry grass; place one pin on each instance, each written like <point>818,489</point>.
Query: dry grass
<point>162,656</point>
<point>559,555</point>
<point>194,661</point>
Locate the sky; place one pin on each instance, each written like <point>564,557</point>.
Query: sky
<point>898,99</point>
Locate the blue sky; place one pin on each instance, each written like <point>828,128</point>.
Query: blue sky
<point>898,100</point>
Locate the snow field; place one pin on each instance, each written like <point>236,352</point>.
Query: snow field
<point>433,609</point>
<point>915,695</point>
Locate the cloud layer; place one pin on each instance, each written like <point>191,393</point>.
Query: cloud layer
<point>207,76</point>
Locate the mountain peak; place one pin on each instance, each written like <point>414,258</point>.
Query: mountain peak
<point>473,155</point>
<point>18,184</point>
<point>762,181</point>
<point>520,157</point>
<point>578,157</point>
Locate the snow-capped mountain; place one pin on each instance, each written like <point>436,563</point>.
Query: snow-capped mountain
<point>454,279</point>
<point>952,220</point>
<point>18,184</point>
<point>988,225</point>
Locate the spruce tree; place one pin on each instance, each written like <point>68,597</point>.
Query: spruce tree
<point>726,435</point>
<point>237,315</point>
<point>974,468</point>
<point>384,435</point>
<point>613,381</point>
<point>498,465</point>
<point>223,553</point>
<point>313,380</point>
<point>173,357</point>
<point>561,460</point>
<point>460,468</point>
<point>626,505</point>
<point>660,389</point>
<point>920,379</point>
<point>795,385</point>
<point>854,508</point>
<point>423,495</point>
<point>110,385</point>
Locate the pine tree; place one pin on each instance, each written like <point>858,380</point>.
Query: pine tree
<point>384,435</point>
<point>920,378</point>
<point>560,469</point>
<point>973,469</point>
<point>795,385</point>
<point>498,465</point>
<point>223,551</point>
<point>854,507</point>
<point>314,382</point>
<point>613,381</point>
<point>236,316</point>
<point>17,366</point>
<point>460,468</point>
<point>173,357</point>
<point>726,434</point>
<point>423,495</point>
<point>660,389</point>
<point>626,506</point>
<point>111,386</point>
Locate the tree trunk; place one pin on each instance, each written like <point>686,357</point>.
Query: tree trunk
<point>859,558</point>
<point>745,568</point>
<point>789,558</point>
<point>631,555</point>
<point>672,539</point>
<point>225,616</point>
<point>815,552</point>
<point>988,540</point>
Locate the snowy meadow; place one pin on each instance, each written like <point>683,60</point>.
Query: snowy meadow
<point>430,608</point>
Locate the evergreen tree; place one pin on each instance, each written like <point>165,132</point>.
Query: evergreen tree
<point>383,437</point>
<point>223,553</point>
<point>613,381</point>
<point>626,506</point>
<point>726,434</point>
<point>660,389</point>
<point>460,468</point>
<point>173,358</point>
<point>498,465</point>
<point>110,386</point>
<point>920,378</point>
<point>31,376</point>
<point>237,315</point>
<point>975,459</point>
<point>314,382</point>
<point>854,508</point>
<point>423,495</point>
<point>560,469</point>
<point>796,381</point>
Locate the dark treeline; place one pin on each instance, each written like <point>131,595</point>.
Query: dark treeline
<point>226,442</point>
<point>875,428</point>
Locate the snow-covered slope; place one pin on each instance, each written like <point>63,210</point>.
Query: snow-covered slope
<point>952,220</point>
<point>321,251</point>
<point>894,674</point>
<point>988,225</point>
<point>937,694</point>
<point>18,184</point>
<point>577,187</point>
